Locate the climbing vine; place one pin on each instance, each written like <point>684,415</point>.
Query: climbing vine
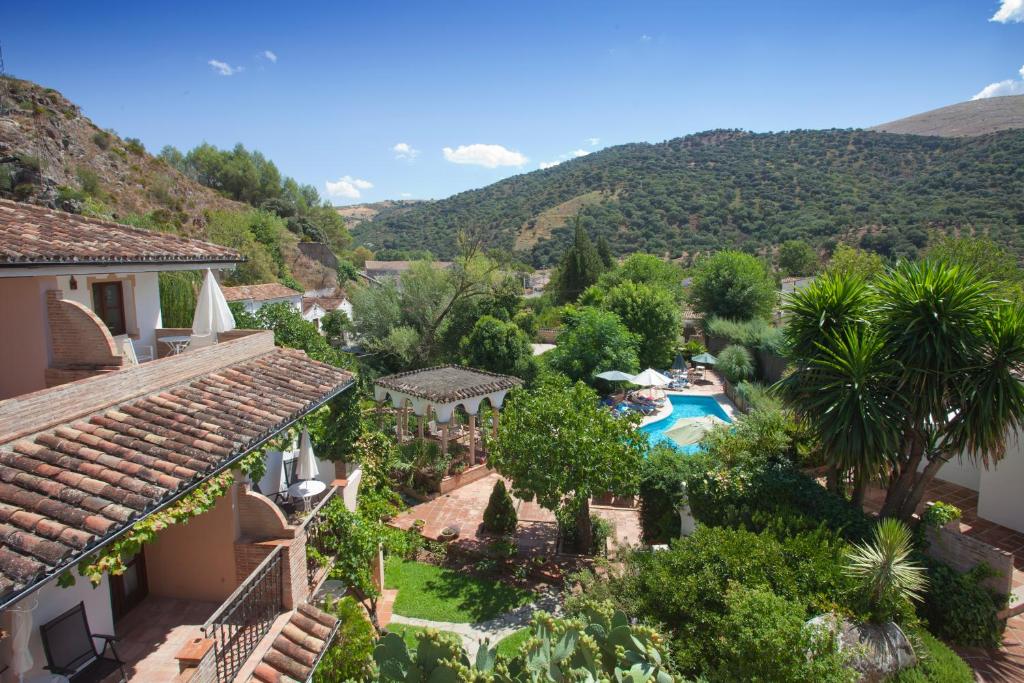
<point>110,560</point>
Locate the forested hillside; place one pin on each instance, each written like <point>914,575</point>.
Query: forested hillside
<point>51,154</point>
<point>736,189</point>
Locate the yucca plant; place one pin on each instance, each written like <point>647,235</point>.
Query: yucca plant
<point>885,572</point>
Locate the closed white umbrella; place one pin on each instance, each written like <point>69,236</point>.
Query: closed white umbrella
<point>306,467</point>
<point>615,376</point>
<point>651,378</point>
<point>212,313</point>
<point>274,481</point>
<point>21,623</point>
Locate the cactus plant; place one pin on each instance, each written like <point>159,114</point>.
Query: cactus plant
<point>600,645</point>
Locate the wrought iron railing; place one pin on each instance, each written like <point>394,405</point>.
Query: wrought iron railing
<point>238,625</point>
<point>317,534</point>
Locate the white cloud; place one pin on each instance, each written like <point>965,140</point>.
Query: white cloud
<point>1009,11</point>
<point>406,195</point>
<point>645,38</point>
<point>223,68</point>
<point>593,142</point>
<point>270,55</point>
<point>347,187</point>
<point>489,156</point>
<point>403,150</point>
<point>549,164</point>
<point>577,153</point>
<point>1008,87</point>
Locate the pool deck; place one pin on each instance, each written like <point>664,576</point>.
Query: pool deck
<point>712,386</point>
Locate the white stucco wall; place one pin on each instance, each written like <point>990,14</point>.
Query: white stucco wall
<point>141,300</point>
<point>961,472</point>
<point>53,601</point>
<point>1000,498</point>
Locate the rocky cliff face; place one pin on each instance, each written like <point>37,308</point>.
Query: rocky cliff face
<point>51,154</point>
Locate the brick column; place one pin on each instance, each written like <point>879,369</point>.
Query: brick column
<point>472,440</point>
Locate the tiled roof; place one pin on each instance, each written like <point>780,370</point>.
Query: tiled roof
<point>267,291</point>
<point>33,235</point>
<point>448,383</point>
<point>296,650</point>
<point>65,490</point>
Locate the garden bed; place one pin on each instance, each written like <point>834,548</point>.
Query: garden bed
<point>467,476</point>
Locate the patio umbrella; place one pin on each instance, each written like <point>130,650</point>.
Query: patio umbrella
<point>615,376</point>
<point>690,430</point>
<point>306,467</point>
<point>274,481</point>
<point>679,363</point>
<point>704,359</point>
<point>212,313</point>
<point>651,378</point>
<point>21,623</point>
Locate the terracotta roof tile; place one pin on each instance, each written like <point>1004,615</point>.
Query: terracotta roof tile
<point>296,650</point>
<point>267,291</point>
<point>65,490</point>
<point>33,235</point>
<point>448,383</point>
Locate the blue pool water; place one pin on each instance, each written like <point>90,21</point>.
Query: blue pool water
<point>683,406</point>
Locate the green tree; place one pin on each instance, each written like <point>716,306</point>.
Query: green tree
<point>290,330</point>
<point>605,253</point>
<point>239,230</point>
<point>991,261</point>
<point>652,315</point>
<point>731,284</point>
<point>500,514</point>
<point>593,341</point>
<point>796,257</point>
<point>354,543</point>
<point>649,270</point>
<point>334,325</point>
<point>557,444</point>
<point>849,261</point>
<point>580,267</point>
<point>500,347</point>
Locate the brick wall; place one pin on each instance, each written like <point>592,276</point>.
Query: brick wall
<point>294,583</point>
<point>77,336</point>
<point>259,519</point>
<point>163,350</point>
<point>30,413</point>
<point>963,553</point>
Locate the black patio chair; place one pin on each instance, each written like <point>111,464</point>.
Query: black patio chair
<point>70,649</point>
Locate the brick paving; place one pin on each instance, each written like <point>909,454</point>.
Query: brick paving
<point>537,532</point>
<point>1006,663</point>
<point>152,634</point>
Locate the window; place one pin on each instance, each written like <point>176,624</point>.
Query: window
<point>108,302</point>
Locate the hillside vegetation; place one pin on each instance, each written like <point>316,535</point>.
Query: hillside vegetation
<point>965,119</point>
<point>742,190</point>
<point>51,154</point>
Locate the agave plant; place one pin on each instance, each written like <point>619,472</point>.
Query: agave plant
<point>883,568</point>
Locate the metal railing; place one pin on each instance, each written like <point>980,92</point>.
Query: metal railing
<point>317,534</point>
<point>238,625</point>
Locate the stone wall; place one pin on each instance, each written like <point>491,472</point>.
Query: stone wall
<point>963,553</point>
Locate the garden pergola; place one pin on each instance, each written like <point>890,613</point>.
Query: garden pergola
<point>440,390</point>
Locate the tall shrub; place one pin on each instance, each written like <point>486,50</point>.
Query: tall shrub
<point>500,514</point>
<point>735,363</point>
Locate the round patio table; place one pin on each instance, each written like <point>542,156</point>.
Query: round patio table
<point>306,490</point>
<point>177,342</point>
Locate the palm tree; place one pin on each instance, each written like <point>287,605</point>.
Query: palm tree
<point>884,571</point>
<point>920,366</point>
<point>845,394</point>
<point>961,354</point>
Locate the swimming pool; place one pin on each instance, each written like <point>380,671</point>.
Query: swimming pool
<point>683,406</point>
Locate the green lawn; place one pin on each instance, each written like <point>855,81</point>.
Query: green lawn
<point>429,592</point>
<point>509,645</point>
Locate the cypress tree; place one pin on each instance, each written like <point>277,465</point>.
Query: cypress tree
<point>605,253</point>
<point>581,265</point>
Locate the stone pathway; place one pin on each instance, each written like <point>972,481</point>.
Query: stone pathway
<point>493,629</point>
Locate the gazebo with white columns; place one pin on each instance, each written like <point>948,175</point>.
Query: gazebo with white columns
<point>440,390</point>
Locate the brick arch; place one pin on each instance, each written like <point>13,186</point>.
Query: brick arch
<point>77,336</point>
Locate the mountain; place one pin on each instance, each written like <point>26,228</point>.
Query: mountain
<point>977,117</point>
<point>730,188</point>
<point>51,154</point>
<point>354,214</point>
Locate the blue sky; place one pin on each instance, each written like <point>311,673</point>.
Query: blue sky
<point>479,91</point>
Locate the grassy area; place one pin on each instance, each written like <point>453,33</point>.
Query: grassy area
<point>429,592</point>
<point>509,645</point>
